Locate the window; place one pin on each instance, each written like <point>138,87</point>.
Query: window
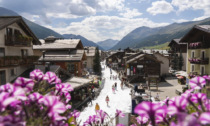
<point>202,70</point>
<point>2,77</point>
<point>9,31</point>
<point>2,52</point>
<point>192,54</point>
<point>24,52</point>
<point>192,67</point>
<point>202,54</point>
<point>71,67</point>
<point>13,72</point>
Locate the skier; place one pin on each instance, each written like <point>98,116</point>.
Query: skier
<point>115,85</point>
<point>97,107</point>
<point>107,100</point>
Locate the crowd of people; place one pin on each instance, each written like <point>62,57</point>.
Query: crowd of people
<point>114,87</point>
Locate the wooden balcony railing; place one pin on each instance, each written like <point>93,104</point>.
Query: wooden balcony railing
<point>23,41</point>
<point>199,61</point>
<point>8,61</point>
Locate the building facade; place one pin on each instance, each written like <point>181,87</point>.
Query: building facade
<point>69,54</point>
<point>16,54</point>
<point>198,50</point>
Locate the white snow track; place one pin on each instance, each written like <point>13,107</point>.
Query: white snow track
<point>121,100</point>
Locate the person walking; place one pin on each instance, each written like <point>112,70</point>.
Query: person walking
<point>115,85</point>
<point>113,89</point>
<point>107,100</point>
<point>97,107</point>
<point>121,85</point>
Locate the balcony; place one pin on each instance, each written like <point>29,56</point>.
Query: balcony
<point>8,61</point>
<point>199,60</point>
<point>22,41</point>
<point>197,45</point>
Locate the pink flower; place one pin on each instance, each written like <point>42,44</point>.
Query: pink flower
<point>25,83</point>
<point>35,97</point>
<point>177,104</point>
<point>55,107</point>
<point>142,120</point>
<point>199,98</point>
<point>37,75</point>
<point>205,118</point>
<point>149,110</point>
<point>102,115</point>
<point>119,113</point>
<point>197,82</point>
<point>51,78</point>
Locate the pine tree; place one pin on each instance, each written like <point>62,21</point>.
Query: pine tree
<point>175,61</point>
<point>180,61</point>
<point>96,62</point>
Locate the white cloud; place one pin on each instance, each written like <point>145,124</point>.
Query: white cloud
<point>160,7</point>
<point>193,4</point>
<point>200,18</point>
<point>97,28</point>
<point>131,13</point>
<point>180,20</point>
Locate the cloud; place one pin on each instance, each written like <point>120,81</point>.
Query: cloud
<point>180,20</point>
<point>160,7</point>
<point>131,13</point>
<point>193,4</point>
<point>97,28</point>
<point>200,18</point>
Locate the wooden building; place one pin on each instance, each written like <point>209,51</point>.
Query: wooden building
<point>16,54</point>
<point>69,54</point>
<point>115,60</point>
<point>177,48</point>
<point>141,66</point>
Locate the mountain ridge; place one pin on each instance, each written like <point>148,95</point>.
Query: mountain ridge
<point>155,36</point>
<point>108,43</point>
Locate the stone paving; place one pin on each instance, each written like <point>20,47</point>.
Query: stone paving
<point>167,88</point>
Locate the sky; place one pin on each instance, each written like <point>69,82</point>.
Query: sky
<point>98,20</point>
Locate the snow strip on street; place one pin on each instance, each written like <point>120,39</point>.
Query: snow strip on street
<point>121,100</point>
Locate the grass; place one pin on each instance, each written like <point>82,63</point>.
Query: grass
<point>163,46</point>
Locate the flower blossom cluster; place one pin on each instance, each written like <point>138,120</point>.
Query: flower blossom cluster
<point>27,101</point>
<point>189,109</point>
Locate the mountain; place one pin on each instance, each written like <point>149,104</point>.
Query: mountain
<point>85,41</point>
<point>108,44</point>
<point>40,31</point>
<point>145,36</point>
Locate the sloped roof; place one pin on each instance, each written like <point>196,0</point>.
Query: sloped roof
<point>76,82</point>
<point>141,56</point>
<point>65,56</point>
<point>59,44</point>
<point>90,51</point>
<point>8,20</point>
<point>204,28</point>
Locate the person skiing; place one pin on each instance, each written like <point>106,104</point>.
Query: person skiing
<point>97,107</point>
<point>107,100</point>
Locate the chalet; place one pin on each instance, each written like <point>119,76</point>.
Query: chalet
<point>141,66</point>
<point>165,63</point>
<point>16,42</point>
<point>90,53</point>
<point>198,50</point>
<point>115,60</point>
<point>177,48</point>
<point>69,54</point>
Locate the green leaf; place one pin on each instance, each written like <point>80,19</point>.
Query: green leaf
<point>70,120</point>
